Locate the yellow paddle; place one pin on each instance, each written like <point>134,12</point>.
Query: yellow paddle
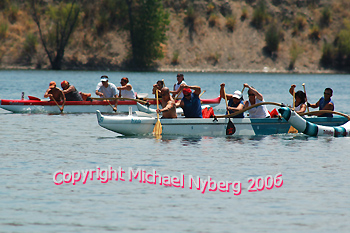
<point>202,93</point>
<point>157,130</point>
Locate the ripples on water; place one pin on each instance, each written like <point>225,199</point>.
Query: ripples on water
<point>314,196</point>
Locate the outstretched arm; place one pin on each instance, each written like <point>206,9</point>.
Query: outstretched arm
<point>255,92</point>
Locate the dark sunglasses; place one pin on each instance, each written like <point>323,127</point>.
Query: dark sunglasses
<point>327,93</point>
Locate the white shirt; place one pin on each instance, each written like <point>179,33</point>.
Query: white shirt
<point>128,94</point>
<point>258,112</point>
<point>108,92</point>
<point>177,87</point>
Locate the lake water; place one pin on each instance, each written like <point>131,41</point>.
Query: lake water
<point>314,195</point>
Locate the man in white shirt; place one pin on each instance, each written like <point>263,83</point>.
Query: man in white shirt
<point>107,90</point>
<point>180,80</point>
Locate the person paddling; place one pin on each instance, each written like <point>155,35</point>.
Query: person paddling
<point>190,103</point>
<point>300,99</point>
<point>254,97</point>
<point>126,89</point>
<point>104,89</point>
<point>158,87</point>
<point>324,103</point>
<point>168,104</point>
<point>70,92</point>
<point>55,94</point>
<point>177,89</point>
<point>234,101</point>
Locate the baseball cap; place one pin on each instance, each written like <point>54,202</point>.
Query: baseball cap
<point>52,84</point>
<point>186,91</point>
<point>237,94</point>
<point>104,78</point>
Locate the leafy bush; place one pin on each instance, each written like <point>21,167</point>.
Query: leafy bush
<point>4,4</point>
<point>13,13</point>
<point>337,55</point>
<point>213,20</point>
<point>3,30</point>
<point>326,17</point>
<point>300,22</point>
<point>210,8</point>
<point>294,52</point>
<point>260,15</point>
<point>29,46</point>
<point>272,37</point>
<point>190,16</point>
<point>230,23</point>
<point>175,59</point>
<point>315,33</point>
<point>328,55</point>
<point>244,14</point>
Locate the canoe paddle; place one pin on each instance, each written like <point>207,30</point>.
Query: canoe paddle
<point>61,109</point>
<point>306,98</point>
<point>291,128</point>
<point>202,93</point>
<point>157,130</point>
<point>114,108</point>
<point>230,128</point>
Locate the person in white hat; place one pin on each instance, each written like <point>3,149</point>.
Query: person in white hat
<point>234,101</point>
<point>105,89</point>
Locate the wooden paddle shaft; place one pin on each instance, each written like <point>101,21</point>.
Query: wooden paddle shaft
<point>57,104</point>
<point>306,97</point>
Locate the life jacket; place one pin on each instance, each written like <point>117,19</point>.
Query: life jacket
<point>208,113</point>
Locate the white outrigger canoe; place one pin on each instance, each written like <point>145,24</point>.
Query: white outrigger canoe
<point>35,105</point>
<point>312,128</point>
<point>135,125</point>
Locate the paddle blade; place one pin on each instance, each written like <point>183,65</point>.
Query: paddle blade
<point>292,130</point>
<point>157,130</point>
<point>230,129</point>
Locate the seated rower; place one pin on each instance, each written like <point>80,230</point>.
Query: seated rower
<point>190,103</point>
<point>254,97</point>
<point>158,87</point>
<point>70,92</point>
<point>126,89</point>
<point>168,104</point>
<point>235,103</point>
<point>324,103</point>
<point>107,90</point>
<point>300,99</point>
<point>55,93</point>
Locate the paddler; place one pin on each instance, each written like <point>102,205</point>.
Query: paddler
<point>70,92</point>
<point>190,103</point>
<point>126,90</point>
<point>168,104</point>
<point>180,80</point>
<point>107,90</point>
<point>55,93</point>
<point>235,103</point>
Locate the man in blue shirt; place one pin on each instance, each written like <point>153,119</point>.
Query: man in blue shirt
<point>190,103</point>
<point>324,103</point>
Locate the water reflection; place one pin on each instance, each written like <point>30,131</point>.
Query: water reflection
<point>191,141</point>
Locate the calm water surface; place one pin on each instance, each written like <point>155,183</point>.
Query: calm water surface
<point>314,196</point>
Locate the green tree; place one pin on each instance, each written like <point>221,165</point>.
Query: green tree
<point>60,21</point>
<point>148,23</point>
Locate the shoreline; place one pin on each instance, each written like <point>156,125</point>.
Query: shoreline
<point>195,70</point>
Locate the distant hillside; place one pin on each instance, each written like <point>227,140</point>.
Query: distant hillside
<point>203,36</point>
